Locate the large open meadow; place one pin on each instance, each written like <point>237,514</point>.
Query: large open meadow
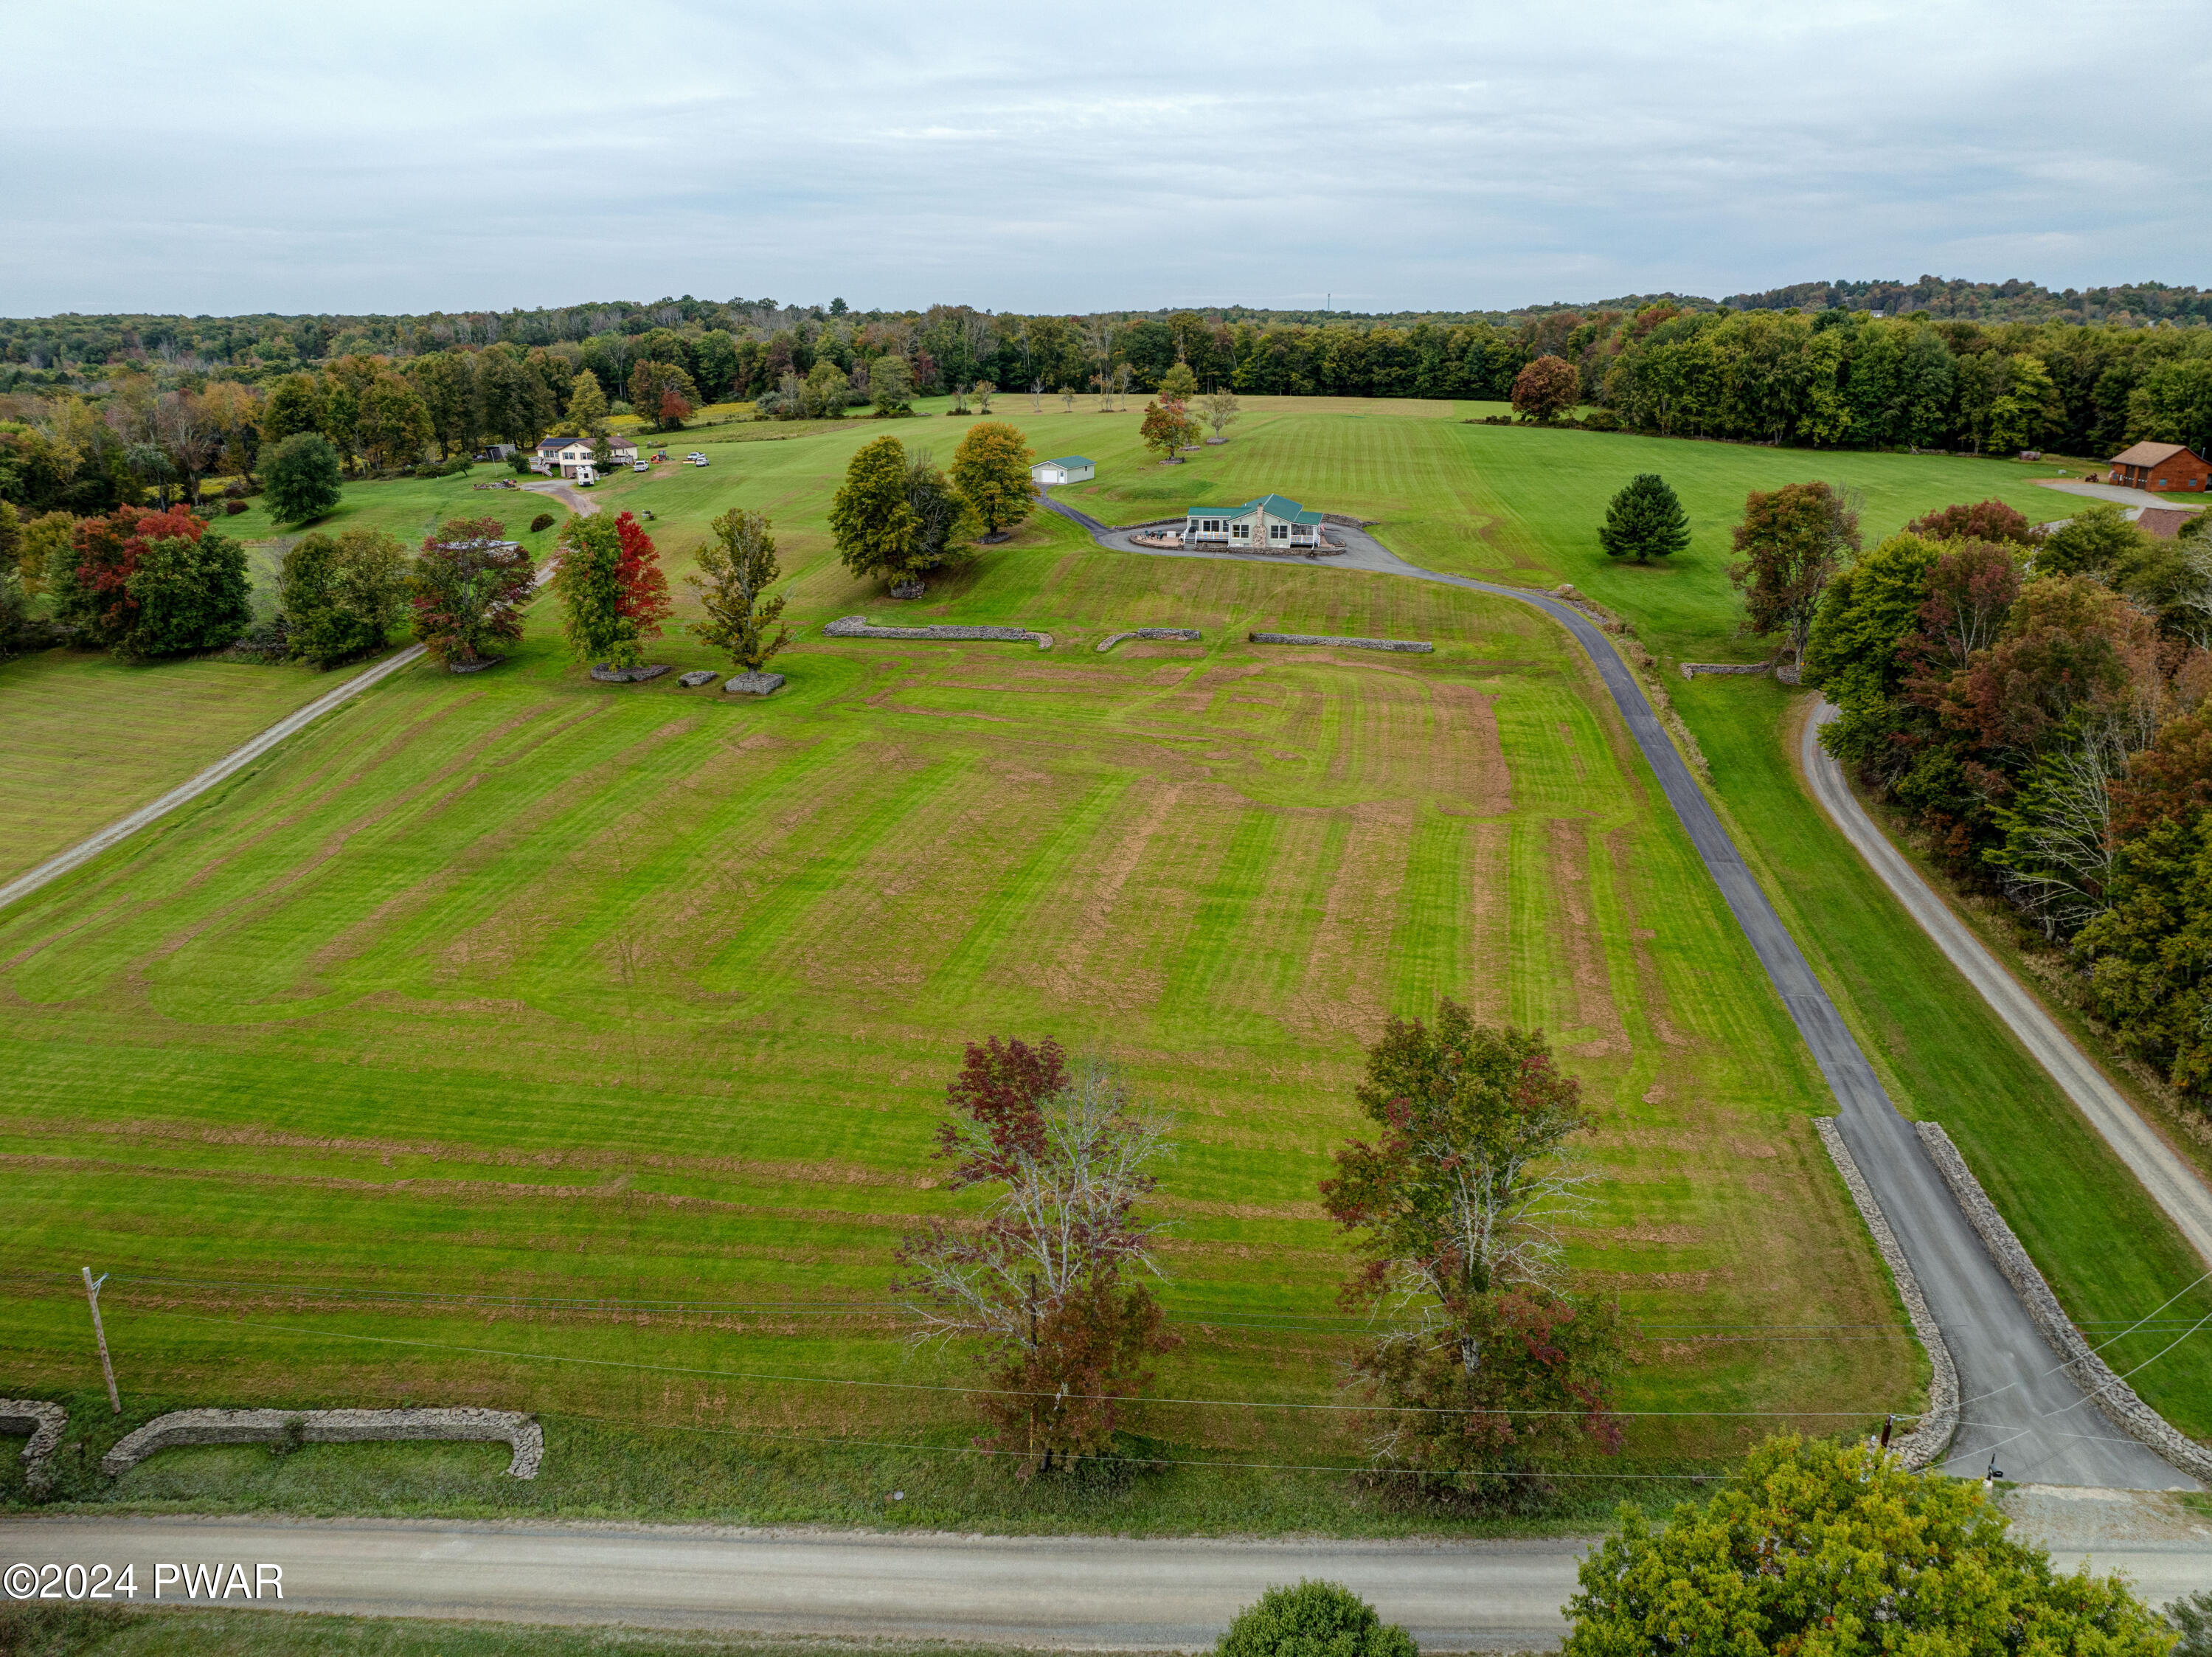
<point>541,992</point>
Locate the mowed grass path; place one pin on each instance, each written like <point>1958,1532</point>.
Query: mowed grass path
<point>524,986</point>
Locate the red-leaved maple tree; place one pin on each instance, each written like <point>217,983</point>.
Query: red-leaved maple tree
<point>108,552</point>
<point>644,601</point>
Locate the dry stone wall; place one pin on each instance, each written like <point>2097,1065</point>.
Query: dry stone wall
<point>183,1427</point>
<point>1413,646</point>
<point>1188,635</point>
<point>43,1421</point>
<point>1924,1445</point>
<point>860,627</point>
<point>2090,1373</point>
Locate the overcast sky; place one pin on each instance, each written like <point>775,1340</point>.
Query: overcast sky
<point>225,158</point>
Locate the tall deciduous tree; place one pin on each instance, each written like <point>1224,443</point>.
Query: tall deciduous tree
<point>514,401</point>
<point>91,581</point>
<point>1167,428</point>
<point>613,594</point>
<point>294,404</point>
<point>394,425</point>
<point>447,385</point>
<point>1051,1283</point>
<point>235,413</point>
<point>1645,521</point>
<point>736,569</point>
<point>301,478</point>
<point>189,435</point>
<point>1220,410</point>
<point>663,392</point>
<point>1491,1371</point>
<point>871,518</point>
<point>1836,1548</point>
<point>991,469</point>
<point>187,591</point>
<point>1178,384</point>
<point>1546,388</point>
<point>943,520</point>
<point>1791,540</point>
<point>467,588</point>
<point>341,595</point>
<point>891,385</point>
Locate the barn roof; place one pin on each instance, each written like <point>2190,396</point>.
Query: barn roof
<point>2163,521</point>
<point>2147,455</point>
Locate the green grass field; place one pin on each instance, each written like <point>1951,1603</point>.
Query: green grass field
<point>517,985</point>
<point>85,737</point>
<point>532,988</point>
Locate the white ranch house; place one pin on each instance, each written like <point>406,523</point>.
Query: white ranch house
<point>1067,469</point>
<point>1269,521</point>
<point>571,457</point>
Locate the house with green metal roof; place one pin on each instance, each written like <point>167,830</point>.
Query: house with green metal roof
<point>1067,469</point>
<point>1273,522</point>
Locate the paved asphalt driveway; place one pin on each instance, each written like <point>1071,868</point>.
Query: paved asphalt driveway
<point>2017,1405</point>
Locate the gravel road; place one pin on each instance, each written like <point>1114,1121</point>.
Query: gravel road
<point>2173,1183</point>
<point>1091,1592</point>
<point>1080,1591</point>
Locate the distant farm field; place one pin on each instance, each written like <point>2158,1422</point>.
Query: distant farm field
<point>528,988</point>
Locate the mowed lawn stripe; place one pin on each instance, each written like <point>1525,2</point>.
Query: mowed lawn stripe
<point>823,895</point>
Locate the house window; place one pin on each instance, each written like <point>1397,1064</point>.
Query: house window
<point>1279,532</point>
<point>1240,532</point>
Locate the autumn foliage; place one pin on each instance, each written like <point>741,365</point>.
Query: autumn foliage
<point>1490,1374</point>
<point>109,552</point>
<point>148,584</point>
<point>466,590</point>
<point>1050,1280</point>
<point>611,585</point>
<point>2036,704</point>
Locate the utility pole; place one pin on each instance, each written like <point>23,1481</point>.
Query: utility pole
<point>92,1297</point>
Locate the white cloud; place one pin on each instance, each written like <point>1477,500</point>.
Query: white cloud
<point>243,157</point>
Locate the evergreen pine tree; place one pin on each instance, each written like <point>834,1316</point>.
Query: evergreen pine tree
<point>1645,521</point>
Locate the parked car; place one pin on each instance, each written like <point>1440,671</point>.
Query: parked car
<point>695,459</point>
<point>639,466</point>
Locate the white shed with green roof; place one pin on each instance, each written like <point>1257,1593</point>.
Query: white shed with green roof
<point>1067,469</point>
<point>1271,521</point>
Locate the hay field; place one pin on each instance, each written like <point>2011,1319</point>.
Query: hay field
<point>518,986</point>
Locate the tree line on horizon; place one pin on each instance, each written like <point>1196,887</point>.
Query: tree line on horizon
<point>1834,379</point>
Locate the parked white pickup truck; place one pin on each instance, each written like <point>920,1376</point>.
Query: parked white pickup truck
<point>695,459</point>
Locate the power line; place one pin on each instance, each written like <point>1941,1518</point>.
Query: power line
<point>1146,1461</point>
<point>1285,1322</point>
<point>1005,1393</point>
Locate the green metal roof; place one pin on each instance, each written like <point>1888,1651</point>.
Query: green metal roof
<point>1276,506</point>
<point>1069,460</point>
